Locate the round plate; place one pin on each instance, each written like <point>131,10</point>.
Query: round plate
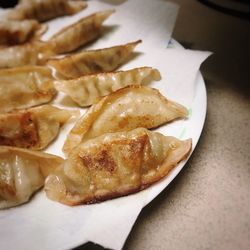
<point>44,224</point>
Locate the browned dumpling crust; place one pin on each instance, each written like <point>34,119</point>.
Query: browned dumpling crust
<point>79,33</point>
<point>25,87</point>
<point>22,172</point>
<point>122,110</point>
<point>93,61</point>
<point>17,32</point>
<point>114,165</point>
<point>33,128</point>
<point>37,52</point>
<point>86,89</point>
<point>43,10</point>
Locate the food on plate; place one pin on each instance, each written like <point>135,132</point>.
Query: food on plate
<point>110,151</point>
<point>22,172</point>
<point>115,164</point>
<point>17,32</point>
<point>93,61</point>
<point>37,52</point>
<point>34,52</point>
<point>43,10</point>
<point>33,128</point>
<point>37,74</point>
<point>79,33</point>
<point>125,109</point>
<point>25,87</point>
<point>86,89</point>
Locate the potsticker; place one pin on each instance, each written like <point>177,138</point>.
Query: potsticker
<point>83,31</point>
<point>22,172</point>
<point>115,164</point>
<point>122,110</point>
<point>18,32</point>
<point>86,89</point>
<point>93,61</point>
<point>25,87</point>
<point>43,10</point>
<point>33,128</point>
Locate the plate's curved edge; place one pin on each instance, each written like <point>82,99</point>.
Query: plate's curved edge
<point>202,101</point>
<point>199,113</point>
<point>201,98</point>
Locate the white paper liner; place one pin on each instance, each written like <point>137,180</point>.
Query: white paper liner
<point>44,224</point>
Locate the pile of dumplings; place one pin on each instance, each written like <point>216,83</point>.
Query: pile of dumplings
<point>110,151</point>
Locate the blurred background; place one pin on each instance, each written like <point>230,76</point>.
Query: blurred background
<point>8,3</point>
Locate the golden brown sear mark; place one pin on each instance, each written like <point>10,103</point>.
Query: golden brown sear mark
<point>25,136</point>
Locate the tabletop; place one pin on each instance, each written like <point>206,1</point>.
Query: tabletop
<point>207,206</point>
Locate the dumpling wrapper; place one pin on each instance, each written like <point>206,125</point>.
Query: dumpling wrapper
<point>115,164</point>
<point>17,32</point>
<point>34,52</point>
<point>86,89</point>
<point>92,61</point>
<point>43,10</point>
<point>125,109</point>
<point>25,87</point>
<point>37,52</point>
<point>83,31</point>
<point>22,172</point>
<point>33,128</point>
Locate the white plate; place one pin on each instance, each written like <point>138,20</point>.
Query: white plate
<point>43,224</point>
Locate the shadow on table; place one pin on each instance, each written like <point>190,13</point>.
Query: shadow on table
<point>90,246</point>
<point>202,28</point>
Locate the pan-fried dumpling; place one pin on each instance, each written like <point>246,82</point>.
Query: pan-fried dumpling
<point>16,32</point>
<point>30,53</point>
<point>25,87</point>
<point>125,109</point>
<point>93,61</point>
<point>115,164</point>
<point>86,89</point>
<point>79,33</point>
<point>22,172</point>
<point>43,10</point>
<point>38,74</point>
<point>33,128</point>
